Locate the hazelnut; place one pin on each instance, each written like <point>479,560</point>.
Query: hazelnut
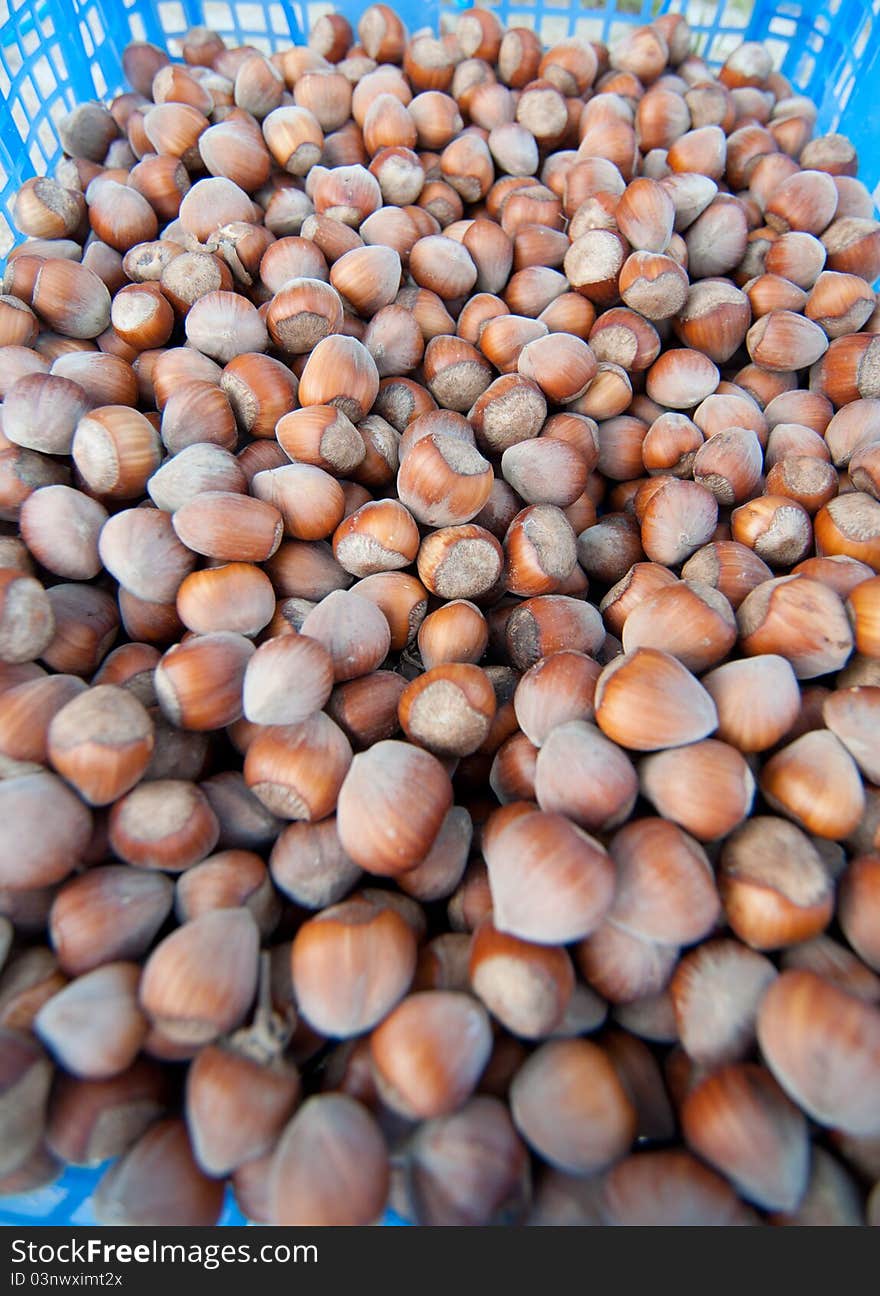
<point>803,1018</point>
<point>430,1051</point>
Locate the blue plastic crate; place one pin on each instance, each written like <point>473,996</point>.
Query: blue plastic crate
<point>55,53</point>
<point>68,1201</point>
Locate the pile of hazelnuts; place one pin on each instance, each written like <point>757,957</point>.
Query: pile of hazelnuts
<point>440,639</point>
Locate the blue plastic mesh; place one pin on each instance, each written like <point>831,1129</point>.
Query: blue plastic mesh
<point>68,1201</point>
<point>54,53</point>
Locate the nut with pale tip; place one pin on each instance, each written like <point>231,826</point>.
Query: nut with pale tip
<point>509,410</point>
<point>323,436</point>
<point>464,561</point>
<point>165,824</point>
<point>199,681</point>
<point>548,623</point>
<point>669,619</point>
<point>863,471</point>
<point>798,618</point>
<point>774,885</point>
<point>379,536</point>
<point>296,770</point>
<point>142,317</point>
<point>456,374</point>
<point>540,550</point>
<point>653,284</point>
<point>101,742</point>
<point>448,709</point>
<point>131,666</point>
<point>807,480</point>
<point>716,990</point>
<point>850,525</point>
<point>670,446</point>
